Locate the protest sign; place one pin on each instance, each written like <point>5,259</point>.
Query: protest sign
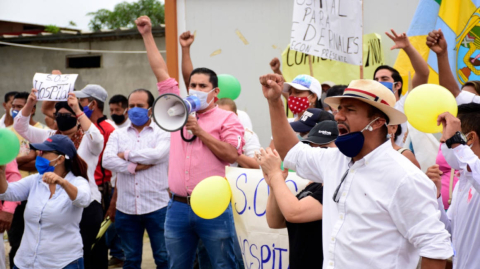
<point>295,63</point>
<point>52,87</point>
<point>261,246</point>
<point>330,29</point>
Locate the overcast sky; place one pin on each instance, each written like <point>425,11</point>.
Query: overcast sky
<point>57,12</point>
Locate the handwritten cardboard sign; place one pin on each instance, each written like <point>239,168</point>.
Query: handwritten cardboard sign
<point>261,246</point>
<point>330,29</point>
<point>53,87</point>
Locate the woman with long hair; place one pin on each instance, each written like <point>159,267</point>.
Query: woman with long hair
<point>56,198</point>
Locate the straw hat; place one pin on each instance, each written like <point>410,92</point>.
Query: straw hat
<point>373,93</point>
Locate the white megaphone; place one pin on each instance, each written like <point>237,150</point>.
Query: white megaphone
<point>170,111</point>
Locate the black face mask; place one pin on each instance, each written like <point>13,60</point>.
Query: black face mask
<point>118,119</point>
<point>65,123</point>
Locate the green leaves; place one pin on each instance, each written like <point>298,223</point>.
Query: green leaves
<point>125,14</point>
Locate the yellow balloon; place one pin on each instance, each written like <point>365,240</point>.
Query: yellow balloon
<point>425,103</point>
<point>211,197</point>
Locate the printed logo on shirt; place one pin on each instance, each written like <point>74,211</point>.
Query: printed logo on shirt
<point>471,192</point>
<point>49,140</point>
<point>239,143</point>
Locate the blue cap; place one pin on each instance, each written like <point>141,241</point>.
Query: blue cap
<point>309,119</point>
<point>60,143</point>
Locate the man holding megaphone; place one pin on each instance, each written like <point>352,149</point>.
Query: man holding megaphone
<point>219,143</point>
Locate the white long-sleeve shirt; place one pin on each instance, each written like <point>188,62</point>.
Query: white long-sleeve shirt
<point>89,149</point>
<point>52,226</point>
<point>143,191</point>
<point>463,215</point>
<point>387,215</point>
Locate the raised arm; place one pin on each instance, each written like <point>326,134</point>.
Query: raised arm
<point>48,107</point>
<point>22,126</point>
<point>158,65</point>
<point>186,40</point>
<point>419,64</point>
<point>15,191</point>
<point>436,42</point>
<point>284,137</point>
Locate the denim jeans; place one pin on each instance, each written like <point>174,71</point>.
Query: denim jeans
<point>183,229</point>
<point>204,261</point>
<point>77,264</point>
<point>131,229</point>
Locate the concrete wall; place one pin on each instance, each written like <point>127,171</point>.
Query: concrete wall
<point>118,74</point>
<point>265,24</point>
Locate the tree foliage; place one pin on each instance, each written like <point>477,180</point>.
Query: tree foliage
<point>52,28</point>
<point>124,15</point>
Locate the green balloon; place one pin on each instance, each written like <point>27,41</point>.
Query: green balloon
<point>9,146</point>
<point>229,87</point>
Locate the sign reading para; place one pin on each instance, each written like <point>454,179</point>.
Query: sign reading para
<point>52,87</point>
<point>330,29</point>
<point>261,246</point>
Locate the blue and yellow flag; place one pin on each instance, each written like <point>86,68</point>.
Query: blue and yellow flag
<point>460,24</point>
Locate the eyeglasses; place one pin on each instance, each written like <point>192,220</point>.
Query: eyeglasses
<point>335,198</point>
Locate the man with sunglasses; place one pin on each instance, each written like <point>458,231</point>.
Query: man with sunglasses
<point>381,209</point>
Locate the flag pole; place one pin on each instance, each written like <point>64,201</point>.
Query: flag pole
<point>361,66</point>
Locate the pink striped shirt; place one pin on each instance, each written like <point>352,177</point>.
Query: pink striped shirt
<point>143,191</point>
<point>12,174</point>
<point>192,162</point>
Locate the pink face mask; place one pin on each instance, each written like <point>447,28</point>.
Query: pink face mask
<point>298,104</point>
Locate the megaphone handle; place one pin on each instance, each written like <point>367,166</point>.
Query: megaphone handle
<point>187,140</point>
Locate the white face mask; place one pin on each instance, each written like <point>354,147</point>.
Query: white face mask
<point>203,97</point>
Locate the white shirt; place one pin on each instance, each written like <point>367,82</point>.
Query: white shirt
<point>2,122</point>
<point>244,119</point>
<point>467,97</point>
<point>124,125</point>
<point>387,215</point>
<point>399,105</point>
<point>144,191</point>
<point>52,226</point>
<point>252,144</point>
<point>89,149</point>
<point>463,215</point>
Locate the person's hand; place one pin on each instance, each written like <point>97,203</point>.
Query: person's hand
<point>5,221</point>
<point>436,42</point>
<point>435,175</point>
<point>401,41</point>
<point>141,167</point>
<point>144,25</point>
<point>121,155</point>
<point>73,103</point>
<point>3,168</point>
<point>52,178</point>
<point>112,209</point>
<point>56,72</point>
<point>270,162</point>
<point>192,125</point>
<point>451,125</point>
<point>186,39</point>
<point>272,86</point>
<point>275,65</point>
<point>32,97</point>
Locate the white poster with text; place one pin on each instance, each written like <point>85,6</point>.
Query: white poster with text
<point>52,87</point>
<point>261,246</point>
<point>330,29</point>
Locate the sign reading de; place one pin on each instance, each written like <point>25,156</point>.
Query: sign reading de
<point>52,87</point>
<point>261,246</point>
<point>330,29</point>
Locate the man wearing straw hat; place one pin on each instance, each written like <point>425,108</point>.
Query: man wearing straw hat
<point>379,209</point>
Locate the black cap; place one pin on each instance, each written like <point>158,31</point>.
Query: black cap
<point>60,143</point>
<point>323,133</point>
<point>309,118</point>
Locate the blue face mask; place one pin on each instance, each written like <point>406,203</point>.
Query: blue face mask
<point>351,144</point>
<point>86,109</point>
<point>138,116</point>
<point>14,113</point>
<point>43,165</point>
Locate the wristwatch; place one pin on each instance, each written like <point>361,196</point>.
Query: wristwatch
<point>458,138</point>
